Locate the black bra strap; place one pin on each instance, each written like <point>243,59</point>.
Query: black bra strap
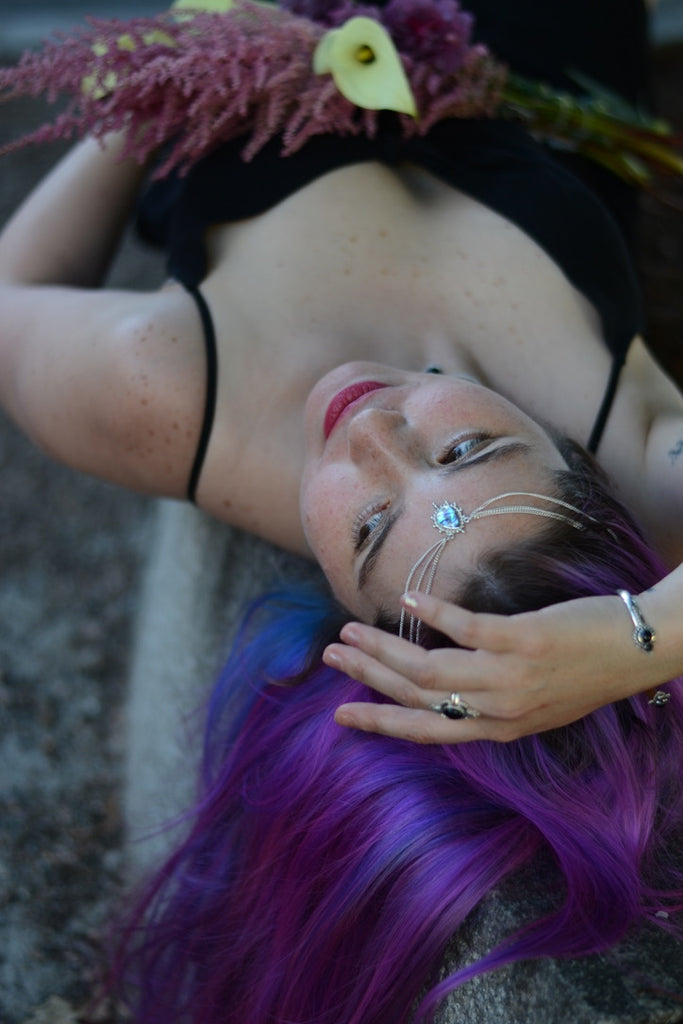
<point>606,404</point>
<point>209,334</point>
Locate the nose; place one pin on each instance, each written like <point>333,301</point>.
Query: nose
<point>381,438</point>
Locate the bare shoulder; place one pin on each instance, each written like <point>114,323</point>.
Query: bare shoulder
<point>645,395</point>
<point>154,384</point>
<point>109,382</point>
<point>642,448</point>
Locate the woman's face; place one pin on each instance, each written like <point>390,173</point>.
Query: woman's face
<point>383,447</point>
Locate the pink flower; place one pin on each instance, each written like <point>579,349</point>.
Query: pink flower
<point>435,31</point>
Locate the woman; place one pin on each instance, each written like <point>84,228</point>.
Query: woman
<point>387,262</point>
<point>374,259</point>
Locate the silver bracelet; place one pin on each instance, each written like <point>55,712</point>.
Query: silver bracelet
<point>644,637</point>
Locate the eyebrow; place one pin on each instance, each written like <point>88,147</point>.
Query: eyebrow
<point>382,535</point>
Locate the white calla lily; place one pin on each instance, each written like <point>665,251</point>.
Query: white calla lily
<point>365,66</point>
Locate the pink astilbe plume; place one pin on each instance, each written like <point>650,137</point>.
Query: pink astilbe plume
<point>476,90</point>
<point>219,76</point>
<point>198,82</point>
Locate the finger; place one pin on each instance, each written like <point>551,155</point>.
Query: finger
<point>473,630</point>
<point>435,671</point>
<point>423,727</point>
<point>379,676</point>
<point>401,655</point>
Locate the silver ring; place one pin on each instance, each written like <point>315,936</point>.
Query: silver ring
<point>455,708</point>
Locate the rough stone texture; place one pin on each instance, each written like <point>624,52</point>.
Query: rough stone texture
<point>80,565</point>
<point>638,982</point>
<point>70,551</point>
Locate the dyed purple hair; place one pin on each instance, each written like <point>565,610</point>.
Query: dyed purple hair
<point>325,870</point>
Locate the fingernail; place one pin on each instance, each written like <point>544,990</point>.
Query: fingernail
<point>409,601</point>
<point>331,658</point>
<point>349,634</point>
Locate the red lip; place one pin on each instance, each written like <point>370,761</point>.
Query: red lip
<point>346,397</point>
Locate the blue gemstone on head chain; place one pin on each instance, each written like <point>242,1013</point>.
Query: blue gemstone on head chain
<point>449,518</point>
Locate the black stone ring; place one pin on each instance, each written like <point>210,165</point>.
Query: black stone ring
<point>455,708</point>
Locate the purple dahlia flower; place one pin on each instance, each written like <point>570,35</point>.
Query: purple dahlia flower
<point>437,31</point>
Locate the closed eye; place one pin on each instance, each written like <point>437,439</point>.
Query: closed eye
<point>366,523</point>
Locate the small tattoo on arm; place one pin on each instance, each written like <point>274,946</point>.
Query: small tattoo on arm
<point>675,452</point>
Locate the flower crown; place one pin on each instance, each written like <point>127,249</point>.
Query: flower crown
<point>208,71</point>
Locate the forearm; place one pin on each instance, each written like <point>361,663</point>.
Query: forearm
<point>68,228</point>
<point>662,608</point>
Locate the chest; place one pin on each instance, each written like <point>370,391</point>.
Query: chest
<point>401,269</point>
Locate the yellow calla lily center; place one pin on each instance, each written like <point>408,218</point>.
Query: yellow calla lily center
<point>365,66</point>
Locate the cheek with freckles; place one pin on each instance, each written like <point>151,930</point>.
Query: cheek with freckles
<point>323,520</point>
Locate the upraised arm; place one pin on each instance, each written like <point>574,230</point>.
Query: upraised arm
<point>524,673</point>
<point>68,228</point>
<point>95,377</point>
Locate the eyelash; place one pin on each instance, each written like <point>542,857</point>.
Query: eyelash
<point>472,442</point>
<point>362,530</point>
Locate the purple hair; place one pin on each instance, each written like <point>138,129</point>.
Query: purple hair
<point>325,870</point>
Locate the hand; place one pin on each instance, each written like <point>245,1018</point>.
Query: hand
<point>524,673</point>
